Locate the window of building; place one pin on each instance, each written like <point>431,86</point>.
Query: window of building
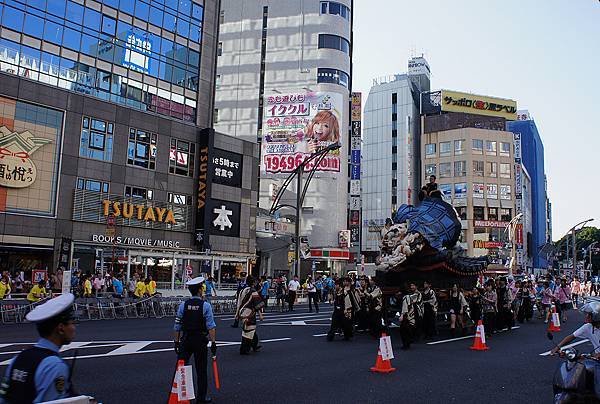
<point>462,212</point>
<point>181,157</point>
<point>478,190</point>
<point>430,149</point>
<point>460,168</point>
<point>504,170</point>
<point>333,76</point>
<point>335,8</point>
<point>430,169</point>
<point>459,146</point>
<point>478,213</point>
<point>141,149</point>
<point>492,168</point>
<point>179,199</point>
<point>445,170</point>
<point>490,147</point>
<point>505,215</point>
<point>477,146</point>
<point>492,191</point>
<point>92,185</point>
<point>220,49</point>
<point>478,168</point>
<point>216,115</point>
<point>218,81</point>
<point>138,193</point>
<point>96,139</point>
<point>505,149</point>
<point>222,17</point>
<point>492,213</point>
<point>328,41</point>
<point>445,148</point>
<point>505,192</point>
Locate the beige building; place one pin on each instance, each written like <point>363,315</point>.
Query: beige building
<point>475,172</point>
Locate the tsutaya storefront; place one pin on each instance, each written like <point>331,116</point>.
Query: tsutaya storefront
<point>140,237</point>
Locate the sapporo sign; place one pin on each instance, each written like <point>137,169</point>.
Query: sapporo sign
<point>141,212</point>
<point>17,169</point>
<point>454,101</point>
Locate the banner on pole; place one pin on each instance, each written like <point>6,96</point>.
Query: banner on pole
<point>66,283</point>
<point>185,384</point>
<point>385,347</point>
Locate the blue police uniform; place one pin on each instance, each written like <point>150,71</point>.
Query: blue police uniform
<point>193,320</point>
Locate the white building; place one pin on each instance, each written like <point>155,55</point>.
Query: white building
<point>391,149</point>
<point>270,50</point>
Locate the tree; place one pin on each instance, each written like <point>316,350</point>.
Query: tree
<point>585,237</point>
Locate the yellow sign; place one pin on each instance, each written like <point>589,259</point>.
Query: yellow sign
<point>454,101</point>
<point>146,213</point>
<point>17,169</point>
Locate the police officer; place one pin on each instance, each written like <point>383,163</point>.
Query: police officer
<point>38,374</point>
<point>194,321</point>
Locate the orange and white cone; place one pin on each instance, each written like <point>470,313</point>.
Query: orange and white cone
<point>174,396</point>
<point>382,365</point>
<point>555,322</point>
<point>479,342</point>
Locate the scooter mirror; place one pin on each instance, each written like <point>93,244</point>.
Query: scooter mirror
<point>550,336</point>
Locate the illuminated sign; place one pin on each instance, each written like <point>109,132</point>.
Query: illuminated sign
<point>487,244</point>
<point>134,241</point>
<point>227,168</point>
<point>141,212</point>
<point>453,101</point>
<point>137,52</point>
<point>490,223</point>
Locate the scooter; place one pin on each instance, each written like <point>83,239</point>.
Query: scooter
<point>574,379</point>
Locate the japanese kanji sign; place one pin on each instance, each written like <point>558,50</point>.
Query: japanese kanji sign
<point>225,218</point>
<point>17,169</point>
<point>227,168</point>
<point>297,125</point>
<point>454,101</point>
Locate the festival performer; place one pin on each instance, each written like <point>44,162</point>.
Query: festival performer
<point>249,304</point>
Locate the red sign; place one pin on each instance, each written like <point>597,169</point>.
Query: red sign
<point>490,223</point>
<point>287,163</point>
<point>519,235</point>
<point>487,244</point>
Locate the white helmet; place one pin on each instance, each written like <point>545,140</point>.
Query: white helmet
<point>593,309</point>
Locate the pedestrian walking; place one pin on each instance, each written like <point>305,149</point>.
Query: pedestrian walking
<point>311,290</point>
<point>240,286</point>
<point>430,308</point>
<point>39,374</point>
<point>293,288</point>
<point>575,292</point>
<point>265,285</point>
<point>563,296</point>
<point>344,307</point>
<point>194,326</point>
<point>4,286</point>
<point>458,304</point>
<point>250,304</point>
<point>362,317</point>
<point>407,320</point>
<point>37,292</point>
<point>489,308</point>
<point>280,291</point>
<point>504,317</point>
<point>475,303</point>
<point>375,301</point>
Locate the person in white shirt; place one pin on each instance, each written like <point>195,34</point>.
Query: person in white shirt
<point>293,287</point>
<point>311,288</point>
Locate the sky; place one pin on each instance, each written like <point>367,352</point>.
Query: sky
<point>545,54</point>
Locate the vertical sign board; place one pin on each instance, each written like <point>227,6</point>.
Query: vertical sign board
<point>355,157</point>
<point>203,187</point>
<point>518,193</point>
<point>64,255</point>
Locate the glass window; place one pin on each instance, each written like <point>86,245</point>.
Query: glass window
<point>142,10</point>
<point>335,8</point>
<point>72,39</point>
<point>109,25</point>
<point>478,213</point>
<point>74,13</point>
<point>504,170</point>
<point>505,149</point>
<point>138,193</point>
<point>334,76</point>
<point>430,149</point>
<point>505,215</point>
<point>505,192</point>
<point>34,26</point>
<point>141,150</point>
<point>445,148</point>
<point>323,7</point>
<point>92,19</point>
<point>183,27</point>
<point>112,3</point>
<point>89,45</point>
<point>57,8</point>
<point>334,42</point>
<point>194,58</point>
<point>478,168</point>
<point>185,7</point>
<point>127,6</point>
<point>490,147</point>
<point>492,191</point>
<point>492,169</point>
<point>181,158</point>
<point>478,190</point>
<point>430,169</point>
<point>170,22</point>
<point>179,199</point>
<point>13,19</point>
<point>460,168</point>
<point>156,16</point>
<point>459,146</point>
<point>197,11</point>
<point>445,170</point>
<point>477,146</point>
<point>96,139</point>
<point>53,32</point>
<point>492,213</point>
<point>462,212</point>
<point>195,33</point>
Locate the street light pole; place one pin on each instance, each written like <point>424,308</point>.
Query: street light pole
<point>572,231</point>
<point>298,211</point>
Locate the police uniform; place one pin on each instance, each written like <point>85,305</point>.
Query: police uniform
<point>39,374</point>
<point>193,320</point>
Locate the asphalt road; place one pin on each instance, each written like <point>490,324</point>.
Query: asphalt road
<point>132,361</point>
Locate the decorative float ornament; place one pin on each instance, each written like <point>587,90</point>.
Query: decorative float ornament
<point>17,169</point>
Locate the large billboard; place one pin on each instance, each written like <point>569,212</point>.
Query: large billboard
<point>297,125</point>
<point>454,101</point>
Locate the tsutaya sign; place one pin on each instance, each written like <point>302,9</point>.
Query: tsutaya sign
<point>134,241</point>
<point>17,170</point>
<point>146,213</point>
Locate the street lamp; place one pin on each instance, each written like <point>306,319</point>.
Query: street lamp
<point>572,231</point>
<point>511,228</point>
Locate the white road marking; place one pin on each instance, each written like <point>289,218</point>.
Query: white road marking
<point>291,325</point>
<point>583,341</point>
<point>319,335</point>
<point>460,338</point>
<point>134,348</point>
<point>289,316</point>
<point>73,345</point>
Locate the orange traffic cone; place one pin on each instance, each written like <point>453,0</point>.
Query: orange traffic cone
<point>555,321</point>
<point>479,342</point>
<point>174,396</point>
<point>382,365</point>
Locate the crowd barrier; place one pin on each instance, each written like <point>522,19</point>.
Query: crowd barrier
<point>13,311</point>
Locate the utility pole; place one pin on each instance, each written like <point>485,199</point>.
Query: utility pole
<point>574,252</point>
<point>298,212</point>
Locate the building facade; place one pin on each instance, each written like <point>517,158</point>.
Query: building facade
<point>391,149</point>
<point>106,110</point>
<point>533,160</point>
<point>465,144</point>
<point>283,81</point>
